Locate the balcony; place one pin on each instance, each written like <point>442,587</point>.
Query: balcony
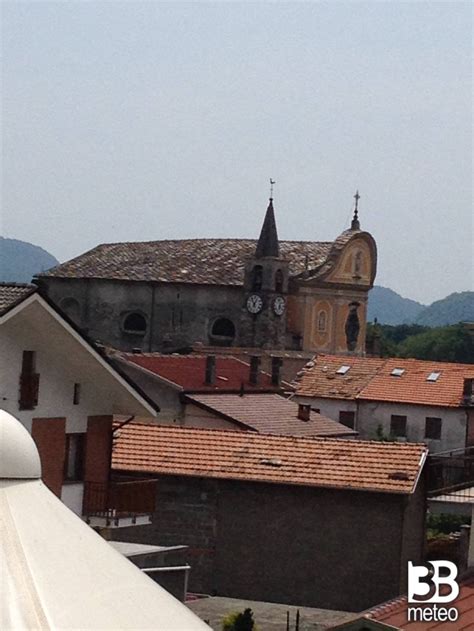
<point>451,481</point>
<point>119,503</point>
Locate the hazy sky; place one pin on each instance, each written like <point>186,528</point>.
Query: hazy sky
<point>128,121</point>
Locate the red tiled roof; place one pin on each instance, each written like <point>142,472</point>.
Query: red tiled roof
<point>370,378</point>
<point>248,456</point>
<point>412,386</point>
<point>189,371</point>
<point>270,414</point>
<point>319,379</point>
<point>13,293</point>
<point>394,612</point>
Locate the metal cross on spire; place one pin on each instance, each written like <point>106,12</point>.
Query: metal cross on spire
<point>272,182</point>
<point>355,225</point>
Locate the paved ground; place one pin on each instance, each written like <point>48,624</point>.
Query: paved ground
<point>268,616</point>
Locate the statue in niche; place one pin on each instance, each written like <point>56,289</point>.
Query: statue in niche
<point>352,326</point>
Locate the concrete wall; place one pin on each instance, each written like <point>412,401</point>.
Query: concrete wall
<point>371,414</point>
<point>298,545</point>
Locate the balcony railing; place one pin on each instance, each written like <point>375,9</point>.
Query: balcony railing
<point>115,500</point>
<point>451,472</point>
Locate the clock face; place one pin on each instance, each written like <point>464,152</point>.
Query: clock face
<point>254,304</point>
<point>279,305</point>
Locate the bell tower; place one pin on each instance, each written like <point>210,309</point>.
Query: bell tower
<point>265,289</point>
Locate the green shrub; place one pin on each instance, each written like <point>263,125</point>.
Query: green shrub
<point>236,621</point>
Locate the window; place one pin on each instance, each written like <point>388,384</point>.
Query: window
<point>76,397</point>
<point>29,382</point>
<point>322,321</point>
<point>135,323</point>
<point>398,425</point>
<point>433,376</point>
<point>433,428</point>
<point>223,327</point>
<point>347,418</point>
<point>257,278</point>
<point>397,372</point>
<point>342,370</point>
<point>279,281</point>
<point>74,461</point>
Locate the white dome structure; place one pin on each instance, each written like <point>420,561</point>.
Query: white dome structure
<point>19,458</point>
<point>56,572</point>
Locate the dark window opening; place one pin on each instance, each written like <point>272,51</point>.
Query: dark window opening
<point>279,281</point>
<point>347,418</point>
<point>398,425</point>
<point>135,323</point>
<point>223,327</point>
<point>257,278</point>
<point>29,382</point>
<point>74,461</point>
<point>76,397</point>
<point>322,321</point>
<point>433,428</point>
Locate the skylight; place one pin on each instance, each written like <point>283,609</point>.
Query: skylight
<point>433,376</point>
<point>397,372</point>
<point>342,370</point>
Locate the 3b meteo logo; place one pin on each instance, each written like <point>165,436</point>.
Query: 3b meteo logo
<point>432,587</point>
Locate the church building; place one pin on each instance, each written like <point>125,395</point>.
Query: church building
<point>169,295</point>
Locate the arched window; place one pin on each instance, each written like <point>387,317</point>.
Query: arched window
<point>135,323</point>
<point>279,281</point>
<point>222,332</point>
<point>322,321</point>
<point>71,308</point>
<point>257,278</point>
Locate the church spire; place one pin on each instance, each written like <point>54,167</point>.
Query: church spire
<point>268,241</point>
<point>355,224</point>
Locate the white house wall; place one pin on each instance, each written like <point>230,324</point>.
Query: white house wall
<point>61,361</point>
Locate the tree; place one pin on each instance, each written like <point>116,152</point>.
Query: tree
<point>450,343</point>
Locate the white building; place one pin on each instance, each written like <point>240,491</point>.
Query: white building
<point>65,393</point>
<point>406,399</point>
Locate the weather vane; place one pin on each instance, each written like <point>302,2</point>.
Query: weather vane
<point>272,182</point>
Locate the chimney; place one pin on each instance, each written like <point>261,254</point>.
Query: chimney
<point>304,411</point>
<point>254,369</point>
<point>276,366</point>
<point>210,369</point>
<point>467,391</point>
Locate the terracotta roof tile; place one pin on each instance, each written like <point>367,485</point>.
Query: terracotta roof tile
<point>412,386</point>
<point>270,414</point>
<point>13,293</point>
<point>394,612</point>
<point>201,261</point>
<point>370,379</point>
<point>188,371</point>
<point>237,455</point>
<point>319,377</point>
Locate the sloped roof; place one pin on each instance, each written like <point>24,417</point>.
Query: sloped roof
<point>412,386</point>
<point>270,414</point>
<point>370,378</point>
<point>394,612</point>
<point>189,371</point>
<point>248,456</point>
<point>200,261</point>
<point>57,573</point>
<point>320,379</point>
<point>13,293</point>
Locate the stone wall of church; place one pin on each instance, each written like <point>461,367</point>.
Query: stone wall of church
<point>173,316</point>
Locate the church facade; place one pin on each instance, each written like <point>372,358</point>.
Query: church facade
<point>269,294</point>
